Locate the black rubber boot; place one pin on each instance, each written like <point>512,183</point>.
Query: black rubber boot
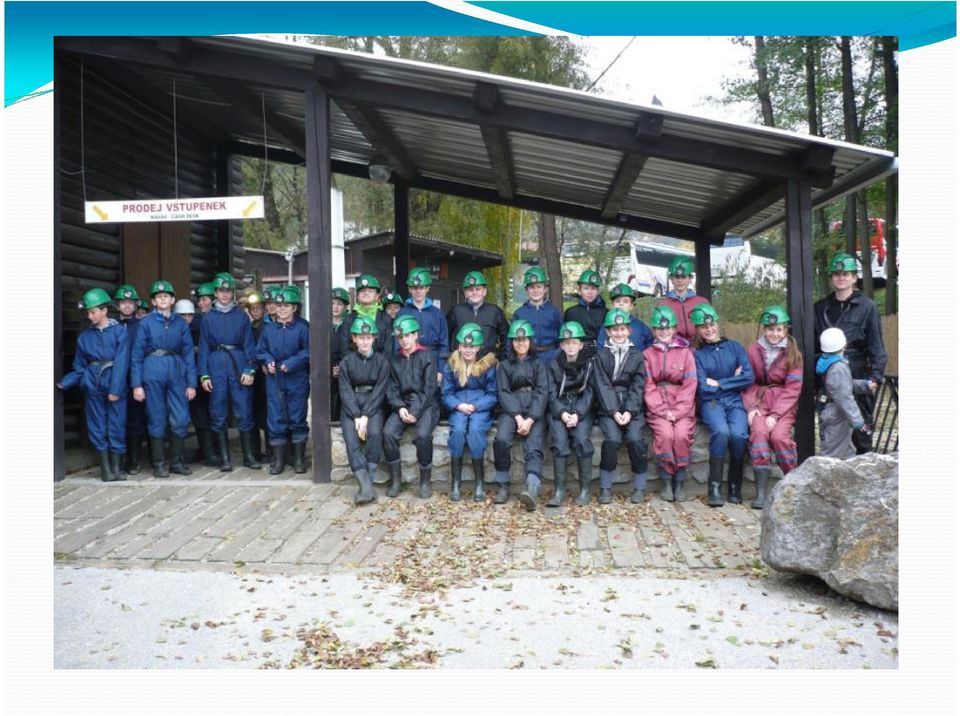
<point>761,475</point>
<point>290,451</point>
<point>223,447</point>
<point>177,465</point>
<point>479,484</point>
<point>426,483</point>
<point>279,459</point>
<point>299,466</point>
<point>395,479</point>
<point>715,482</point>
<point>528,498</point>
<point>133,454</point>
<point>456,477</point>
<point>678,493</point>
<point>257,445</point>
<point>156,457</point>
<point>584,472</point>
<point>606,495</point>
<point>503,494</point>
<point>666,486</point>
<point>559,482</point>
<point>735,481</point>
<point>116,466</point>
<point>106,469</point>
<point>246,445</point>
<point>207,454</point>
<point>366,494</point>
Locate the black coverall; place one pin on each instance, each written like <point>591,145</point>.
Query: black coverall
<point>489,317</point>
<point>412,385</point>
<point>363,389</point>
<point>619,393</point>
<point>570,394</point>
<point>522,390</point>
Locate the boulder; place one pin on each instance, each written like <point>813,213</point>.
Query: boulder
<point>837,520</point>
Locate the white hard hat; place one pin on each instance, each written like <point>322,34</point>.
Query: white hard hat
<point>184,305</point>
<point>832,340</point>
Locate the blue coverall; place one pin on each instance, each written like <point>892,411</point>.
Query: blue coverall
<point>286,344</point>
<point>434,332</point>
<point>721,408</point>
<point>469,430</point>
<point>227,351</point>
<point>136,411</point>
<point>546,320</point>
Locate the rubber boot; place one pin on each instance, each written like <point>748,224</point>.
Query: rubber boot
<point>456,477</point>
<point>502,479</point>
<point>223,446</point>
<point>395,479</point>
<point>279,459</point>
<point>246,445</point>
<point>666,486</point>
<point>584,472</point>
<point>761,475</point>
<point>426,483</point>
<point>479,484</point>
<point>257,445</point>
<point>133,454</point>
<point>528,498</point>
<point>289,454</point>
<point>639,488</point>
<point>715,482</point>
<point>678,493</point>
<point>559,481</point>
<point>735,481</point>
<point>106,469</point>
<point>156,457</point>
<point>366,494</point>
<point>299,449</point>
<point>207,453</point>
<point>177,466</point>
<point>116,466</point>
<point>606,493</point>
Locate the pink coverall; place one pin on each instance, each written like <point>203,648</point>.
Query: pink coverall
<point>775,393</point>
<point>671,385</point>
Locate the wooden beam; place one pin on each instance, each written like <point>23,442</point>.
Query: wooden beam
<point>319,260</point>
<point>800,283</point>
<point>281,156</point>
<point>630,167</point>
<point>704,275</point>
<point>649,126</point>
<point>486,98</point>
<point>755,199</point>
<point>381,138</point>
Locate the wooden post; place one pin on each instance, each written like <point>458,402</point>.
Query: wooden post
<point>702,268</point>
<point>58,446</point>
<point>401,235</point>
<point>800,284</point>
<point>319,260</point>
<point>222,231</point>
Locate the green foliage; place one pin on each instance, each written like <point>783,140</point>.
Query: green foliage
<point>742,297</point>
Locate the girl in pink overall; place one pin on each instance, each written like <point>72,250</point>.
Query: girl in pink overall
<point>669,394</point>
<point>771,402</point>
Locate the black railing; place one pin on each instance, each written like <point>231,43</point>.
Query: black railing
<point>886,433</point>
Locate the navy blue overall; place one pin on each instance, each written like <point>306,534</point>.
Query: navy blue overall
<point>721,408</point>
<point>226,352</point>
<point>287,345</point>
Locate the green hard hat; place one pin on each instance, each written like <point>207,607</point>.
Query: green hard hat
<point>470,334</point>
<point>406,324</point>
<point>622,290</point>
<point>367,281</point>
<point>663,317</point>
<point>224,280</point>
<point>521,329</point>
<point>589,277</point>
<point>616,317</point>
<point>205,289</point>
<point>571,329</point>
<point>94,298</point>
<point>534,274</point>
<point>288,294</point>
<point>681,266</point>
<point>223,274</point>
<point>126,292</point>
<point>270,293</point>
<point>392,296</point>
<point>843,262</point>
<point>474,278</point>
<point>419,277</point>
<point>774,315</point>
<point>362,324</point>
<point>143,305</point>
<point>704,314</point>
<point>340,294</point>
<point>162,286</point>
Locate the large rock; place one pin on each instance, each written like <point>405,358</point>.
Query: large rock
<point>837,519</point>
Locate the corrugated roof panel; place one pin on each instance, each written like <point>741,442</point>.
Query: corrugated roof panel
<point>578,177</point>
<point>442,148</point>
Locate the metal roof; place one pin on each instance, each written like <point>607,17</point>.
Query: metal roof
<point>386,237</point>
<point>489,137</point>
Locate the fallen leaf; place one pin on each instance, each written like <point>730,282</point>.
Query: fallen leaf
<point>707,664</point>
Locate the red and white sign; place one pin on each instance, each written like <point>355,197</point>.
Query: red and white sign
<point>209,208</point>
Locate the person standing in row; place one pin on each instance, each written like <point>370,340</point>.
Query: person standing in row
<point>339,303</point>
<point>623,297</point>
<point>366,306</point>
<point>839,415</point>
<point>570,376</point>
<point>522,395</point>
<point>100,367</point>
<point>227,363</point>
<point>256,312</point>
<point>681,300</point>
<point>857,316</point>
<point>126,299</point>
<point>163,372</point>
<point>412,400</point>
<point>200,418</point>
<point>723,372</point>
<point>589,311</point>
<point>200,405</point>
<point>669,393</point>
<point>434,332</point>
<point>392,303</point>
<point>771,402</point>
<point>543,316</point>
<point>477,311</point>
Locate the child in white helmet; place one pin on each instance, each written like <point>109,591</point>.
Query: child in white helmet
<point>839,414</point>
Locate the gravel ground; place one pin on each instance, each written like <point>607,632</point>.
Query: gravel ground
<point>109,618</point>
